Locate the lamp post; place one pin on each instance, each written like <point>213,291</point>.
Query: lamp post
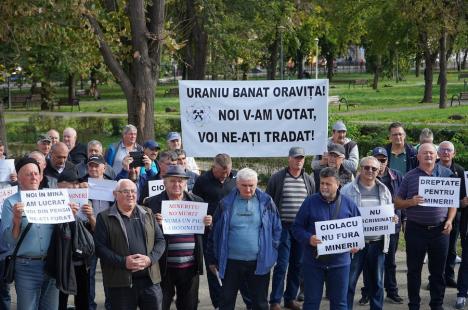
<point>317,56</point>
<point>281,30</point>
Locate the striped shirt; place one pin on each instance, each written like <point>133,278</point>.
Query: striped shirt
<point>180,251</point>
<point>294,193</point>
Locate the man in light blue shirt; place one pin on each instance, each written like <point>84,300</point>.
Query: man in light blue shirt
<point>34,289</point>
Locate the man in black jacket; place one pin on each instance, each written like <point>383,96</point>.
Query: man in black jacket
<point>401,155</point>
<point>58,163</point>
<point>288,188</point>
<point>182,263</point>
<point>78,151</point>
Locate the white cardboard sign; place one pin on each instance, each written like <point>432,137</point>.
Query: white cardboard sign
<point>183,217</point>
<point>5,193</point>
<point>7,167</point>
<point>156,187</point>
<point>377,221</point>
<point>101,189</point>
<point>47,206</point>
<point>339,236</point>
<point>80,197</point>
<point>440,192</point>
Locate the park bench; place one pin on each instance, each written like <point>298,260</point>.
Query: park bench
<point>341,100</point>
<point>359,82</point>
<point>22,101</point>
<point>80,92</point>
<point>69,102</point>
<point>462,96</point>
<point>171,92</point>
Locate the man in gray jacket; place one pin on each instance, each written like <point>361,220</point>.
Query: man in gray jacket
<point>367,191</point>
<point>289,187</point>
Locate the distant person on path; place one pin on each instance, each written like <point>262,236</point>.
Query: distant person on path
<point>117,151</point>
<point>244,242</point>
<point>288,188</point>
<point>130,243</point>
<point>401,155</point>
<point>427,230</point>
<point>332,269</point>
<point>351,152</point>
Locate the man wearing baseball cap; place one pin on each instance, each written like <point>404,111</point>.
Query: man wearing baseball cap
<point>288,188</point>
<point>335,159</point>
<point>44,144</point>
<point>351,152</point>
<point>151,149</point>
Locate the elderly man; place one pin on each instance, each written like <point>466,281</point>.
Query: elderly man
<point>54,136</point>
<point>333,269</point>
<point>366,191</point>
<point>335,158</point>
<point>34,288</point>
<point>351,153</point>
<point>77,152</point>
<point>44,144</point>
<point>427,229</point>
<point>130,243</point>
<point>212,186</point>
<point>183,261</point>
<point>94,149</point>
<point>182,160</point>
<point>244,241</point>
<point>174,142</point>
<point>151,149</point>
<point>58,163</point>
<point>401,155</point>
<point>289,187</point>
<point>117,151</point>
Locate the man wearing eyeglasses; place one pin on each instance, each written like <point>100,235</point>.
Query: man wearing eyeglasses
<point>427,229</point>
<point>130,243</point>
<point>401,155</point>
<point>367,191</point>
<point>447,154</point>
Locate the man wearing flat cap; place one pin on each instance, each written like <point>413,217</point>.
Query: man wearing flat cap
<point>335,159</point>
<point>288,188</point>
<point>182,263</point>
<point>34,288</point>
<point>44,144</point>
<point>351,152</point>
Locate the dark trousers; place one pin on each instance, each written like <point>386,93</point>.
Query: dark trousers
<point>452,251</point>
<point>81,297</point>
<point>213,284</point>
<point>462,281</point>
<point>5,298</point>
<point>390,281</point>
<point>239,272</point>
<point>92,286</point>
<point>143,294</point>
<point>419,241</point>
<point>185,282</point>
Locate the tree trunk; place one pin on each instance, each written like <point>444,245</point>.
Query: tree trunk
<point>272,59</point>
<point>329,58</point>
<point>46,95</point>
<point>463,64</point>
<point>417,64</point>
<point>300,64</point>
<point>443,70</point>
<point>197,45</point>
<point>377,68</point>
<point>3,133</point>
<point>71,87</point>
<point>457,60</point>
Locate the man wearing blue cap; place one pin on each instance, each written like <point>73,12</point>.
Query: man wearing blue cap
<point>151,149</point>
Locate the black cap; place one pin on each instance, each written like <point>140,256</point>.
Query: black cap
<point>296,151</point>
<point>176,171</point>
<point>379,151</point>
<point>24,161</point>
<point>69,175</point>
<point>98,159</point>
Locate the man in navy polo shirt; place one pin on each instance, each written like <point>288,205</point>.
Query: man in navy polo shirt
<point>427,230</point>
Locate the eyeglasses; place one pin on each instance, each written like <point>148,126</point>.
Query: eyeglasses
<point>127,191</point>
<point>382,160</point>
<point>368,168</point>
<point>445,150</point>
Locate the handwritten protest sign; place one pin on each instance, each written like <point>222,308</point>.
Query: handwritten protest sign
<point>440,192</point>
<point>47,206</point>
<point>253,118</point>
<point>7,167</point>
<point>156,187</point>
<point>80,197</point>
<point>5,193</point>
<point>101,189</point>
<point>183,217</point>
<point>377,221</point>
<point>339,236</point>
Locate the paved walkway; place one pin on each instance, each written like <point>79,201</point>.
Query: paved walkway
<point>205,304</point>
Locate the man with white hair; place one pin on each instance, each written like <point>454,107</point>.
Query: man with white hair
<point>116,152</point>
<point>130,243</point>
<point>54,136</point>
<point>77,150</point>
<point>95,149</point>
<point>244,241</point>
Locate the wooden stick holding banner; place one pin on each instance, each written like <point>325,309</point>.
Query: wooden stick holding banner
<point>183,217</point>
<point>49,206</point>
<point>440,192</point>
<point>339,236</point>
<point>377,221</point>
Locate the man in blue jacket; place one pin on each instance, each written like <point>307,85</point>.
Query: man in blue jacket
<point>243,245</point>
<point>332,269</point>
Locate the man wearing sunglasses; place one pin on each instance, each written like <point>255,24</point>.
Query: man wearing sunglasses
<point>367,191</point>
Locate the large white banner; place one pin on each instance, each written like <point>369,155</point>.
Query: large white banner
<point>440,192</point>
<point>378,220</point>
<point>183,217</point>
<point>47,206</point>
<point>339,236</point>
<point>253,118</point>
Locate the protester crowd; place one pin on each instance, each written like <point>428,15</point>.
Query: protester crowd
<point>250,234</point>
